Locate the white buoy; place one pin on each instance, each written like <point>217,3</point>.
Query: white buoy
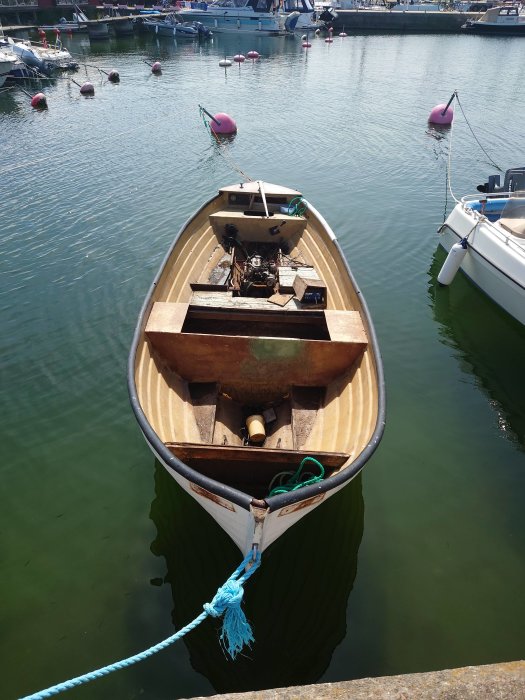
<point>225,62</point>
<point>453,262</point>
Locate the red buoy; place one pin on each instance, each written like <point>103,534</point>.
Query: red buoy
<point>87,88</point>
<point>253,54</point>
<point>306,44</point>
<point>156,67</point>
<point>239,58</point>
<point>223,124</point>
<point>39,100</point>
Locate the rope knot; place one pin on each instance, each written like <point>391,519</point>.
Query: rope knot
<point>229,596</point>
<point>236,630</point>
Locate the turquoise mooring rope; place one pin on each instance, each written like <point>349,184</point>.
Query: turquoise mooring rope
<point>236,630</point>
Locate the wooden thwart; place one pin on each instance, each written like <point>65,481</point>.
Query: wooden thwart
<point>231,453</point>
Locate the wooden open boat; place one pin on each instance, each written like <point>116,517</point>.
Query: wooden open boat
<point>254,349</point>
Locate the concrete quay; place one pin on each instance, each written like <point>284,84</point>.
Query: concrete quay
<point>398,22</point>
<point>505,681</point>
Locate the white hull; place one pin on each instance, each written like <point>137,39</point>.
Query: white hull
<point>495,260</point>
<point>240,523</point>
<point>236,22</point>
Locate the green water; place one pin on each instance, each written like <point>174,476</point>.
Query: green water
<point>416,566</point>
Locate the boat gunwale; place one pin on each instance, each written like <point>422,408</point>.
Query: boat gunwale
<point>237,497</point>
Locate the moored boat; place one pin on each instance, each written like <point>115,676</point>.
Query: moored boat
<point>485,237</point>
<point>7,63</point>
<point>503,20</point>
<point>39,55</point>
<point>241,16</point>
<point>171,26</point>
<point>75,25</point>
<point>254,372</point>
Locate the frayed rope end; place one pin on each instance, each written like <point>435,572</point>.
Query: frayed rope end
<point>236,631</point>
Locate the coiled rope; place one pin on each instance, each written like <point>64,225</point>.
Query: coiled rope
<point>236,631</point>
<point>297,480</point>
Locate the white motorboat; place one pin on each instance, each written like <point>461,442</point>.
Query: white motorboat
<point>7,63</point>
<point>241,16</point>
<point>485,237</point>
<point>171,26</point>
<point>309,19</point>
<point>45,58</point>
<point>502,20</point>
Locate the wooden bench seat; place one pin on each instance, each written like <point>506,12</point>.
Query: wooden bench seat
<point>254,351</point>
<point>196,452</point>
<point>257,228</point>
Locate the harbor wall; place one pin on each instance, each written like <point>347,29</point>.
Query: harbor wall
<point>400,21</point>
<point>505,681</point>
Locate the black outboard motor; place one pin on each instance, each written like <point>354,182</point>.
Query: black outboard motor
<point>514,180</point>
<point>204,32</point>
<point>327,15</point>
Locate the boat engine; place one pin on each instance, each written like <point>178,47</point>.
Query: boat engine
<point>259,276</point>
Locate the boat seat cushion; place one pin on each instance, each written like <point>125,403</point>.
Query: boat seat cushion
<point>514,226</point>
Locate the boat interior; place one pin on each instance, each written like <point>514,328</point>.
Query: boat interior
<point>255,352</point>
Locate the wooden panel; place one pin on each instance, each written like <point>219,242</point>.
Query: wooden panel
<point>228,453</point>
<point>257,228</point>
<point>251,360</point>
<point>166,317</point>
<point>346,326</point>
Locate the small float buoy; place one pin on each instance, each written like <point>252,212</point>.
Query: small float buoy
<point>225,62</point>
<point>306,44</point>
<point>113,76</point>
<point>453,262</point>
<point>239,58</point>
<point>156,67</point>
<point>39,100</point>
<point>253,54</point>
<point>441,114</point>
<point>343,34</point>
<point>329,40</point>
<point>87,88</point>
<point>222,123</point>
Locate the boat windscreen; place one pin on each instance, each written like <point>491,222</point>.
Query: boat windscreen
<point>515,206</point>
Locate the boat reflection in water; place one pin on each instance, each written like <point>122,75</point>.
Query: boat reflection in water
<point>296,603</point>
<point>491,345</point>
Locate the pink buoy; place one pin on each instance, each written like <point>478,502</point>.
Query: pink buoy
<point>87,88</point>
<point>441,114</point>
<point>113,76</point>
<point>253,54</point>
<point>39,100</point>
<point>329,40</point>
<point>156,67</point>
<point>223,124</point>
<point>306,44</point>
<point>239,58</point>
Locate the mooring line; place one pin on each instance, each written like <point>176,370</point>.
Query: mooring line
<point>236,631</point>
